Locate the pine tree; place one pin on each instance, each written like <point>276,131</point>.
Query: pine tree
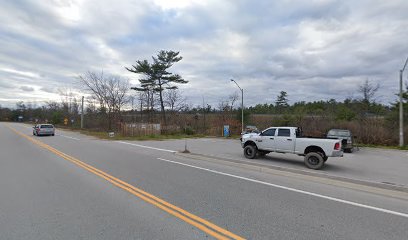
<point>282,101</point>
<point>157,78</point>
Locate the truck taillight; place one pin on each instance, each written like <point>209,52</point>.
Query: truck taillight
<point>337,146</point>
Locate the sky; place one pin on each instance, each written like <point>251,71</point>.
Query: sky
<point>313,50</point>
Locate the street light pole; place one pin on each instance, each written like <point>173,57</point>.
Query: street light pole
<point>242,105</point>
<point>401,108</point>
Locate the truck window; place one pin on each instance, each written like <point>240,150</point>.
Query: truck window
<point>284,132</point>
<point>269,132</point>
<point>299,132</point>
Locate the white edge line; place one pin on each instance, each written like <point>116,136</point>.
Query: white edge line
<point>293,189</point>
<point>68,137</point>
<point>143,146</point>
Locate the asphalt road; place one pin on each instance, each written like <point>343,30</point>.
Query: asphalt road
<point>72,186</point>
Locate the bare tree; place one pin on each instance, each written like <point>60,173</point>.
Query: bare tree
<point>147,102</point>
<point>147,99</point>
<point>110,92</point>
<point>69,101</point>
<point>174,100</point>
<point>95,84</point>
<point>52,105</point>
<point>368,90</point>
<point>21,106</point>
<point>117,89</point>
<point>75,106</point>
<point>232,99</point>
<point>90,104</point>
<point>223,105</point>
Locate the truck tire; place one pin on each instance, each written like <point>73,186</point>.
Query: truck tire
<point>323,156</point>
<point>250,151</point>
<point>314,160</point>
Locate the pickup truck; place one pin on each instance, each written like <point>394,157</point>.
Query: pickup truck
<point>290,140</point>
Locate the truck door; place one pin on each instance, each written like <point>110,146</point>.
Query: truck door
<point>266,140</point>
<point>285,140</point>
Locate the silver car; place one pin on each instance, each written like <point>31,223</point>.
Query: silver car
<point>44,129</point>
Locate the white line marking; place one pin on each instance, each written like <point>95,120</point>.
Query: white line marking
<point>68,137</point>
<point>210,140</point>
<point>293,189</point>
<point>143,146</point>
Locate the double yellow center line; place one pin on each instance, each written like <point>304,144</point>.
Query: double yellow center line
<point>200,223</point>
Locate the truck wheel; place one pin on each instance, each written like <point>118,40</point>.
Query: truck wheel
<point>323,156</point>
<point>314,160</point>
<point>250,151</point>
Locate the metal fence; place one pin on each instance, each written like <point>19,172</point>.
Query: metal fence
<point>140,129</point>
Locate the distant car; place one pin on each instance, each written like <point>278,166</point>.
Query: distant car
<point>345,136</point>
<point>44,129</point>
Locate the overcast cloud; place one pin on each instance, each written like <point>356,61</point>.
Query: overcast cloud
<point>314,50</point>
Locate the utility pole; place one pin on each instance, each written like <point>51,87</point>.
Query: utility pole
<point>82,113</point>
<point>242,105</point>
<point>401,108</point>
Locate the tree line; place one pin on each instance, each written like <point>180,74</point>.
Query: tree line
<point>110,99</point>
